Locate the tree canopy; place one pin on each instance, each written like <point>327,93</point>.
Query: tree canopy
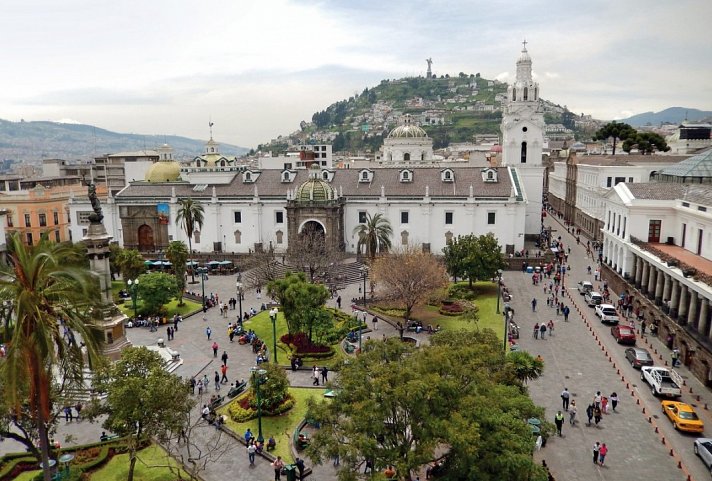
<point>156,289</point>
<point>408,276</point>
<point>300,300</point>
<point>130,263</point>
<point>374,235</point>
<point>404,406</point>
<point>177,254</point>
<point>190,216</point>
<point>646,142</point>
<point>617,131</point>
<point>474,257</point>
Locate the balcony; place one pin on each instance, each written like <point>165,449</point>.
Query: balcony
<point>690,264</point>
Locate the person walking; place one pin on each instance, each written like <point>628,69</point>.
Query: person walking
<point>192,385</point>
<point>614,400</point>
<point>215,348</point>
<point>536,331</point>
<point>251,449</point>
<point>217,381</point>
<point>596,451</point>
<point>572,413</point>
<point>567,311</point>
<point>559,421</point>
<point>200,387</point>
<point>597,415</point>
<point>602,454</point>
<point>534,304</point>
<point>589,413</point>
<point>550,325</point>
<point>565,395</point>
<point>206,383</point>
<point>223,371</point>
<point>278,464</point>
<point>208,332</point>
<point>224,357</point>
<point>299,463</point>
<point>375,323</point>
<point>675,356</point>
<point>324,375</point>
<point>542,331</point>
<point>315,375</point>
<point>597,399</point>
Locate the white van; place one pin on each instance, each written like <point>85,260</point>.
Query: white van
<point>593,298</point>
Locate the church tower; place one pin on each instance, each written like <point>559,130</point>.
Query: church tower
<point>523,137</point>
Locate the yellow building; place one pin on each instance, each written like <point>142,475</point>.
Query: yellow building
<point>38,207</point>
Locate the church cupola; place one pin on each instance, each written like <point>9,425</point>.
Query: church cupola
<point>523,89</point>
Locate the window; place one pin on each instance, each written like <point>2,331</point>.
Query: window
<point>654,227</point>
<point>406,158</point>
<point>404,217</point>
<point>364,175</point>
<point>238,216</point>
<point>279,217</point>
<point>526,94</point>
<point>448,218</point>
<point>684,235</point>
<point>524,153</point>
<point>609,182</point>
<point>630,179</point>
<point>56,218</point>
<point>28,223</point>
<point>701,208</point>
<point>56,236</point>
<point>83,217</point>
<point>362,217</point>
<point>686,204</point>
<point>9,221</point>
<point>448,176</point>
<point>491,217</point>
<point>29,238</point>
<point>43,220</point>
<point>619,180</point>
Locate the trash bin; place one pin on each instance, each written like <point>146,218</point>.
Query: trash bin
<point>530,269</point>
<point>291,471</point>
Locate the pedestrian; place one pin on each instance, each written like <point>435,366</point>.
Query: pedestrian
<point>277,464</point>
<point>192,385</point>
<point>572,412</point>
<point>614,400</point>
<point>597,399</point>
<point>208,332</point>
<point>597,415</point>
<point>604,405</point>
<point>224,357</point>
<point>251,449</point>
<point>566,313</point>
<point>642,329</point>
<point>602,454</point>
<point>565,395</point>
<point>675,355</point>
<point>596,451</point>
<point>223,370</point>
<point>299,463</point>
<point>534,305</point>
<point>200,387</point>
<point>542,331</point>
<point>215,348</point>
<point>589,413</point>
<point>559,421</point>
<point>375,323</point>
<point>206,383</point>
<point>338,302</point>
<point>248,436</point>
<point>217,381</point>
<point>536,331</point>
<point>168,333</point>
<point>176,320</point>
<point>68,416</point>
<point>550,325</point>
<point>315,375</point>
<point>324,375</point>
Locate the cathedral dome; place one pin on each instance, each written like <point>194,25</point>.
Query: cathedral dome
<point>315,189</point>
<point>407,130</point>
<point>164,172</point>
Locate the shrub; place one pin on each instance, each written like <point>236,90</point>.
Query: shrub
<point>462,291</point>
<point>300,344</point>
<point>452,308</point>
<point>240,410</point>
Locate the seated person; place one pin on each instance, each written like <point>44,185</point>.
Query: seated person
<point>271,443</point>
<point>259,446</point>
<point>302,440</point>
<point>103,437</point>
<point>389,472</point>
<point>248,435</point>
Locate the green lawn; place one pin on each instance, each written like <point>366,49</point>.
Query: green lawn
<point>281,427</point>
<point>172,307</point>
<point>118,467</point>
<point>262,325</point>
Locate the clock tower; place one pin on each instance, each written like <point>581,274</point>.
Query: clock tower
<point>522,139</point>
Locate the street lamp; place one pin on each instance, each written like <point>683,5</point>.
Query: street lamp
<point>258,379</point>
<point>202,271</point>
<point>133,288</point>
<point>364,271</point>
<point>239,287</point>
<point>499,294</point>
<point>273,317</point>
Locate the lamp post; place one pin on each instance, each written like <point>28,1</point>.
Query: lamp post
<point>133,288</point>
<point>364,271</point>
<point>239,287</point>
<point>499,294</point>
<point>202,271</point>
<point>273,317</point>
<point>257,379</point>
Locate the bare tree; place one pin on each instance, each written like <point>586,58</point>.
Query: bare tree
<point>262,269</point>
<point>408,276</point>
<point>310,252</point>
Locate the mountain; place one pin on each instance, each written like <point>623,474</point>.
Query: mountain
<point>33,141</point>
<point>449,108</point>
<point>673,115</point>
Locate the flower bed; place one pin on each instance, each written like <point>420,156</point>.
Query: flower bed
<point>451,308</point>
<point>300,345</point>
<point>241,410</point>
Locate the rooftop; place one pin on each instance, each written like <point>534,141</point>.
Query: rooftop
<point>699,165</point>
<point>697,193</point>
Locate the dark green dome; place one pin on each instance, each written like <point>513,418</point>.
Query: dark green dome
<point>315,189</point>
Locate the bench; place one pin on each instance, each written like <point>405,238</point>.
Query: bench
<point>217,402</point>
<point>111,437</point>
<point>175,355</point>
<point>348,347</point>
<point>239,388</point>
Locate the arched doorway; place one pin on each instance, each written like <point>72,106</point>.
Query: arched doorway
<point>145,238</point>
<point>312,227</point>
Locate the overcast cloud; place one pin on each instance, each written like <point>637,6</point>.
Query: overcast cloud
<point>258,68</point>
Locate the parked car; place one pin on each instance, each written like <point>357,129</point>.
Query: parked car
<point>662,381</point>
<point>703,448</point>
<point>584,287</point>
<point>623,334</point>
<point>593,298</point>
<point>683,417</point>
<point>639,357</point>
<point>607,313</point>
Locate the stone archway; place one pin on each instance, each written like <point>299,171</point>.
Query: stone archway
<point>145,238</point>
<point>312,226</point>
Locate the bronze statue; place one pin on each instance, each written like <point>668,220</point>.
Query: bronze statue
<point>98,215</point>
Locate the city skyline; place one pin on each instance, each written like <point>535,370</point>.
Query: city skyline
<point>256,70</point>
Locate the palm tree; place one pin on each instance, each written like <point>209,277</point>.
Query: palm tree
<point>177,254</point>
<point>375,234</point>
<point>47,292</point>
<point>190,214</point>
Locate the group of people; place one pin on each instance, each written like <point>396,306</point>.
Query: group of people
<point>541,329</point>
<point>69,414</point>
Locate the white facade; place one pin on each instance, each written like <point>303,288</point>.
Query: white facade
<point>407,144</point>
<point>523,139</point>
<point>300,159</point>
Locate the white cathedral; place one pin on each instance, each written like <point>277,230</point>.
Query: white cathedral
<point>427,204</point>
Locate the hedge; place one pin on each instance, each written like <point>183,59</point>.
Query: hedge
<point>241,415</point>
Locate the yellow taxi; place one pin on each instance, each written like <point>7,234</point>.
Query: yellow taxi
<point>683,417</point>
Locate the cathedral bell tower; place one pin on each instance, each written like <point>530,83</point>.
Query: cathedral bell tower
<point>523,137</point>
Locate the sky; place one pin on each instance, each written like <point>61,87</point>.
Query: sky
<point>258,68</point>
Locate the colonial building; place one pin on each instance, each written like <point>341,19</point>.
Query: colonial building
<point>657,238</point>
<point>407,144</point>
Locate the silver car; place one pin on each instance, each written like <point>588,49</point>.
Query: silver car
<point>703,448</point>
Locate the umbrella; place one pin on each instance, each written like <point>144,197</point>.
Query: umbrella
<point>191,263</point>
<point>148,263</point>
<point>535,429</point>
<point>157,263</point>
<point>167,263</point>
<point>226,263</point>
<point>534,421</point>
